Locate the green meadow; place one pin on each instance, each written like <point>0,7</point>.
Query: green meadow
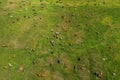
<point>59,40</point>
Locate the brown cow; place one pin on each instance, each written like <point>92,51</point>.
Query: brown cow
<point>100,74</point>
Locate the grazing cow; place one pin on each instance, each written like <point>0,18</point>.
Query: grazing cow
<point>100,74</point>
<point>52,42</point>
<point>32,50</point>
<point>11,2</point>
<point>58,61</point>
<point>97,33</point>
<point>104,2</point>
<point>62,17</point>
<point>110,47</point>
<point>50,64</point>
<point>4,46</point>
<point>113,74</point>
<point>78,59</point>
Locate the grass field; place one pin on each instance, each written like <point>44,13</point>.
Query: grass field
<point>59,39</point>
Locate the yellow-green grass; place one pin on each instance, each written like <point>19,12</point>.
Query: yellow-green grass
<point>88,30</point>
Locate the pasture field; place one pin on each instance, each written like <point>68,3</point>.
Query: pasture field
<point>59,39</point>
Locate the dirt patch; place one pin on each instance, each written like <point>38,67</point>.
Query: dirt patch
<point>15,44</point>
<point>57,76</point>
<point>66,62</point>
